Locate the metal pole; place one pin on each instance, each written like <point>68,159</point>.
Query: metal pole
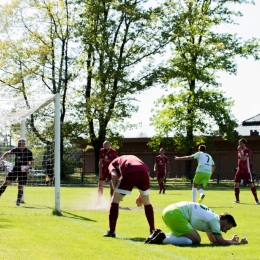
<point>23,129</point>
<point>22,137</point>
<point>57,152</point>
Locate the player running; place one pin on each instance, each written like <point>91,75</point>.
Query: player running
<point>206,167</point>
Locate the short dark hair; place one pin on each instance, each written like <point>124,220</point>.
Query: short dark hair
<point>202,148</point>
<point>230,219</point>
<point>21,140</point>
<point>244,141</point>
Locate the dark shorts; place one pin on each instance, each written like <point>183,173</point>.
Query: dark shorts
<point>17,173</point>
<point>105,175</point>
<point>50,175</point>
<point>128,181</point>
<point>160,175</point>
<point>246,176</point>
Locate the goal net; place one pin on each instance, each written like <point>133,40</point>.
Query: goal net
<point>37,125</point>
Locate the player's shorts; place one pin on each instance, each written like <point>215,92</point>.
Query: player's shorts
<point>105,175</point>
<point>160,175</point>
<point>175,221</point>
<point>17,173</point>
<point>201,178</point>
<point>246,176</point>
<point>128,181</point>
<point>50,175</point>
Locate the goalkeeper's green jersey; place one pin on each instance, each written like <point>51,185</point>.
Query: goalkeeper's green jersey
<point>200,217</point>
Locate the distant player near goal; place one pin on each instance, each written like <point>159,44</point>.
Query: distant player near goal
<point>106,155</point>
<point>23,161</point>
<point>161,165</point>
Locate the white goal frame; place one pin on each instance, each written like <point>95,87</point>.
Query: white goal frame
<point>22,118</point>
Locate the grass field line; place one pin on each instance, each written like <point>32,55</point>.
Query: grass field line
<point>143,246</point>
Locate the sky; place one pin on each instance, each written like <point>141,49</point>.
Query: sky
<point>243,88</point>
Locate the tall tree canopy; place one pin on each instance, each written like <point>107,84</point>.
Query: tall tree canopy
<point>117,36</point>
<point>37,58</point>
<point>198,53</point>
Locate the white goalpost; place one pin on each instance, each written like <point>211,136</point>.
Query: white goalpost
<point>57,153</point>
<point>44,155</point>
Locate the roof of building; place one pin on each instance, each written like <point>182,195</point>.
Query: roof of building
<point>250,126</point>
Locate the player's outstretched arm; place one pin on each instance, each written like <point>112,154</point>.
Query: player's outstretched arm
<point>183,158</point>
<point>5,154</point>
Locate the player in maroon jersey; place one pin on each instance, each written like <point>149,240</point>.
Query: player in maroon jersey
<point>126,172</point>
<point>106,156</point>
<point>243,170</point>
<point>161,165</point>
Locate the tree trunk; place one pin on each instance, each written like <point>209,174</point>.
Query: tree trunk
<point>97,145</point>
<point>188,165</point>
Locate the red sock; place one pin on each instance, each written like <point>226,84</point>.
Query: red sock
<point>148,209</point>
<point>237,193</point>
<point>113,215</point>
<point>253,189</point>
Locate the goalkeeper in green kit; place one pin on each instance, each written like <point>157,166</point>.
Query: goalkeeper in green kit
<point>185,219</point>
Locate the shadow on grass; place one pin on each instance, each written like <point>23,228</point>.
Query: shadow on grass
<point>141,239</point>
<point>136,239</point>
<point>203,245</point>
<point>74,216</point>
<point>4,222</point>
<point>35,206</point>
<point>124,208</point>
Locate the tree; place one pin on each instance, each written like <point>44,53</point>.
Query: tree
<point>117,36</point>
<point>37,58</point>
<point>196,104</point>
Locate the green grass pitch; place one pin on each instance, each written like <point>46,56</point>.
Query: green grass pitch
<point>32,232</point>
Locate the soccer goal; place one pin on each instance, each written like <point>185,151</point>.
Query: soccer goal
<point>39,125</point>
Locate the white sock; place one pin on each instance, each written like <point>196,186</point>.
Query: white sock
<point>194,191</point>
<point>172,239</point>
<point>201,191</point>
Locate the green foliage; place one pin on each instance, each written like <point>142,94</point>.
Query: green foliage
<point>38,60</point>
<point>117,36</point>
<point>71,158</point>
<point>196,107</point>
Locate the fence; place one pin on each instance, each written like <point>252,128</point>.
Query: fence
<point>225,162</point>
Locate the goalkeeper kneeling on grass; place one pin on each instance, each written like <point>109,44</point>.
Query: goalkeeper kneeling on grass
<point>183,219</point>
<point>23,161</point>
